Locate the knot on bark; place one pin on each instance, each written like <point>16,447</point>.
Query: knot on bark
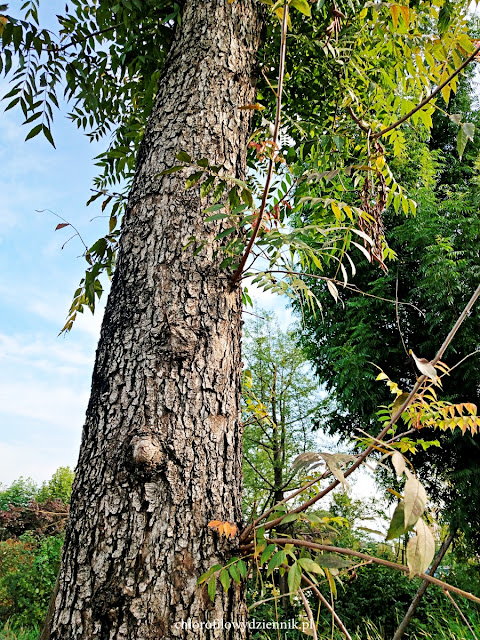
<point>146,451</point>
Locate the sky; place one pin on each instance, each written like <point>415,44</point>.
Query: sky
<point>45,378</point>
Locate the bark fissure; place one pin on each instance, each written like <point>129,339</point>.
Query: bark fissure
<point>161,448</point>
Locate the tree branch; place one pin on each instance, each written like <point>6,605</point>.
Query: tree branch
<point>281,73</point>
<point>362,457</point>
<point>408,115</point>
<point>365,556</point>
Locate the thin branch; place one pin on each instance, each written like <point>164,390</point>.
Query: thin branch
<point>281,73</point>
<point>365,556</point>
<point>258,473</point>
<point>398,317</point>
<point>351,287</point>
<point>74,43</point>
<point>464,618</point>
<point>66,222</point>
<point>322,598</point>
<point>408,115</point>
<point>311,621</point>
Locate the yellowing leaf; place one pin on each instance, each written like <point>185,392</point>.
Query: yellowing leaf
<point>398,462</point>
<point>395,10</point>
<point>420,549</point>
<point>253,107</point>
<point>302,6</point>
<point>415,499</point>
<point>227,529</point>
<point>426,368</point>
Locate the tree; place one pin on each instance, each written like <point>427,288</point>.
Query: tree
<point>161,447</point>
<point>281,405</point>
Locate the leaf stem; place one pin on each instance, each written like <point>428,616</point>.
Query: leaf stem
<point>281,75</point>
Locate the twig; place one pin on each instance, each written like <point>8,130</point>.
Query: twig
<point>365,556</point>
<point>281,73</point>
<point>322,598</point>
<point>408,115</point>
<point>398,317</point>
<point>258,473</point>
<point>311,621</point>
<point>66,222</point>
<point>351,287</point>
<point>464,618</point>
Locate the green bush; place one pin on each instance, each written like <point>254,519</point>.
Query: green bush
<point>28,570</point>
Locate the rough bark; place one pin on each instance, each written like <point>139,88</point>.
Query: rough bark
<point>161,447</point>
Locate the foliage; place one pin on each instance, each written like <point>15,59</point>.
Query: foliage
<point>281,402</point>
<point>28,570</point>
<point>321,205</point>
<point>436,271</point>
<point>59,487</point>
<point>19,493</point>
<point>109,57</point>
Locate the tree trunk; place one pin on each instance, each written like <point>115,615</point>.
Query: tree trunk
<point>423,587</point>
<point>161,448</point>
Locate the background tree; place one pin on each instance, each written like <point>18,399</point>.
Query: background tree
<point>281,405</point>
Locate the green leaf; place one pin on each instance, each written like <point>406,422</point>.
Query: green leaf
<point>193,179</point>
<point>178,167</point>
<point>278,559</point>
<point>225,579</point>
<point>212,588</point>
<point>48,135</point>
<point>291,517</point>
<point>235,573</point>
<point>183,157</point>
<point>206,186</point>
<point>294,578</point>
<point>302,6</point>
<point>225,233</point>
<point>242,567</point>
<point>397,525</point>
<point>267,553</point>
<point>217,216</point>
<point>247,197</point>
<point>310,565</point>
<point>215,207</point>
<point>34,132</point>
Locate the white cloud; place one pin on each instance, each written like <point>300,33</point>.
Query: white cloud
<point>30,460</point>
<point>56,404</point>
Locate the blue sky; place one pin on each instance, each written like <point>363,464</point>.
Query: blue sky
<point>45,379</point>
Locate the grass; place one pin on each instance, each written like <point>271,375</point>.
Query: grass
<point>18,633</point>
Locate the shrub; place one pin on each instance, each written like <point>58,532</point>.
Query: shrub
<point>47,518</point>
<point>28,570</point>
